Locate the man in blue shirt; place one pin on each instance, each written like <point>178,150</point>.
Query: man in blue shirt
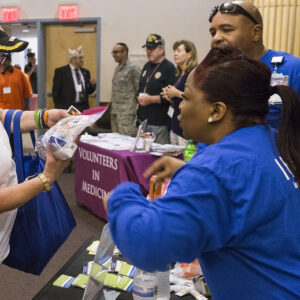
<point>240,24</point>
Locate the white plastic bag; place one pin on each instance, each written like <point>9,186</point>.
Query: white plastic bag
<point>61,137</point>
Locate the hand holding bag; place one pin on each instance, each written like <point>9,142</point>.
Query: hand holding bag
<point>43,223</point>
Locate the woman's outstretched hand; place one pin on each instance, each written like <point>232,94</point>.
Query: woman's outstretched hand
<point>164,167</point>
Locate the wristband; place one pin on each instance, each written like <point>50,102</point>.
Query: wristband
<point>45,118</point>
<point>13,116</point>
<point>36,118</point>
<point>41,119</point>
<point>45,182</point>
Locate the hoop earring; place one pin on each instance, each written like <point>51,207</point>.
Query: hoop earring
<point>210,119</point>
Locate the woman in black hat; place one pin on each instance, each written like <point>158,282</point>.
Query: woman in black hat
<point>12,194</point>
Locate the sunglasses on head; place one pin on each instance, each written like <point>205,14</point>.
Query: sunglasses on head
<point>230,8</point>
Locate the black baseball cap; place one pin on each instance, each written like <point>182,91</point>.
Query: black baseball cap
<point>153,40</point>
<point>9,44</point>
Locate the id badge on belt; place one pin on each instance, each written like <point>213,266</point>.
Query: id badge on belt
<point>171,111</point>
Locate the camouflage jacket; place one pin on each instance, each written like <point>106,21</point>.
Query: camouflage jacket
<point>125,85</point>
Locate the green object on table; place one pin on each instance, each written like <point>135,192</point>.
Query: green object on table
<point>81,281</point>
<point>111,280</point>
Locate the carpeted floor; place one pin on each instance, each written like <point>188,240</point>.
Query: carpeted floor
<point>17,285</point>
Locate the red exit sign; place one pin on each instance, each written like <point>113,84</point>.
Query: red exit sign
<point>10,14</point>
<point>68,12</point>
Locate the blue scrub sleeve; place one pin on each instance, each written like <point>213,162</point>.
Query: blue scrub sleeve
<point>193,217</point>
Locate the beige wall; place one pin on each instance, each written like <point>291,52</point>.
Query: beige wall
<point>130,22</point>
<point>281,24</point>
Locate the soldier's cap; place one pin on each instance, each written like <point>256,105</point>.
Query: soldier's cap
<point>9,44</point>
<point>153,40</point>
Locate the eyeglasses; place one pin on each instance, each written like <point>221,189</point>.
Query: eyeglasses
<point>230,8</point>
<point>116,51</point>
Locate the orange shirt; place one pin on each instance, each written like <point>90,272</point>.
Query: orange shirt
<point>28,82</point>
<point>13,89</point>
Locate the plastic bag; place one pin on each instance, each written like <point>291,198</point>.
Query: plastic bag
<point>60,138</point>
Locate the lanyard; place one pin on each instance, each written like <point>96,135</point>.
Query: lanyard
<point>150,76</point>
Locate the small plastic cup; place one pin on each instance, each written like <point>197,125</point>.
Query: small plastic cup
<point>147,143</point>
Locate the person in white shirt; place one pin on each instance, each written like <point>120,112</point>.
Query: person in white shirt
<point>12,194</point>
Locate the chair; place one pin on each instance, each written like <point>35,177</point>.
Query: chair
<point>103,125</point>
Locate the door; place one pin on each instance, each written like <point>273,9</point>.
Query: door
<point>60,37</point>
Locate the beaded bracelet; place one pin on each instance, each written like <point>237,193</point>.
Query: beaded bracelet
<point>45,182</point>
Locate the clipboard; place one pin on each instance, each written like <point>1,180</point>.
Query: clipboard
<point>142,128</point>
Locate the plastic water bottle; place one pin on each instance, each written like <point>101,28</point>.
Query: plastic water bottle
<point>163,285</point>
<point>151,286</point>
<point>144,285</point>
<point>189,150</point>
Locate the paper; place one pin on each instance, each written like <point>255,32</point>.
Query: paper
<point>125,283</point>
<point>127,269</point>
<point>111,295</point>
<point>93,248</point>
<point>72,110</point>
<point>81,281</point>
<point>64,281</point>
<point>116,141</point>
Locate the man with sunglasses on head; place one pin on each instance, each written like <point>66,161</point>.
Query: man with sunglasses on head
<point>240,24</point>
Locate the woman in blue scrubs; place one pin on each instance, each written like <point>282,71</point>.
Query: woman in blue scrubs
<point>235,206</point>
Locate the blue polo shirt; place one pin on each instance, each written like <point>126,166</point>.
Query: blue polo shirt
<point>290,67</point>
<point>235,206</point>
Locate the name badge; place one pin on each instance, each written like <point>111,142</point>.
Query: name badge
<point>81,96</point>
<point>78,88</point>
<point>142,94</point>
<point>171,111</point>
<point>7,90</point>
<point>277,60</point>
<point>279,79</point>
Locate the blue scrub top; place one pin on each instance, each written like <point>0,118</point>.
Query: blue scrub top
<point>235,206</point>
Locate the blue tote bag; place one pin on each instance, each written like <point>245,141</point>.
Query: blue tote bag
<point>43,223</point>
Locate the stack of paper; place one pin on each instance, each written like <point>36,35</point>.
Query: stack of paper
<point>116,141</point>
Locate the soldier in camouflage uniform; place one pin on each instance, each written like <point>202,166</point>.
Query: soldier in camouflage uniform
<point>125,85</point>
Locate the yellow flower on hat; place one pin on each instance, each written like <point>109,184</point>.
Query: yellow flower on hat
<point>151,38</point>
